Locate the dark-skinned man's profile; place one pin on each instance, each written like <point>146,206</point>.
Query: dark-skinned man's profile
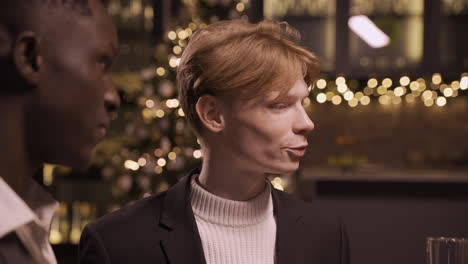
<point>56,97</point>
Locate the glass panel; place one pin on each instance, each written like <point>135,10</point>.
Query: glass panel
<point>454,23</point>
<point>314,19</point>
<point>401,21</point>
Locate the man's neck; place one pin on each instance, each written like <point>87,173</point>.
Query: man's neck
<point>222,178</point>
<point>15,167</point>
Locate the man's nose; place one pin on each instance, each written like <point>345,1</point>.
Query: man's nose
<point>111,99</point>
<point>303,124</point>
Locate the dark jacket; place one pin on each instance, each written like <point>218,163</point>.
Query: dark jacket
<point>162,229</point>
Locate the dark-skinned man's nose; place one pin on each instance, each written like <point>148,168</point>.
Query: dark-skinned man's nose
<point>112,100</point>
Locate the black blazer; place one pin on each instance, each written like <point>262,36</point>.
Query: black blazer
<point>162,229</point>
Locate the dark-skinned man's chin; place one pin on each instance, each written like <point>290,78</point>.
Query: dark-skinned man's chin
<point>79,163</point>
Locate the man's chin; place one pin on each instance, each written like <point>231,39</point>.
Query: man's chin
<point>79,163</point>
<point>285,169</point>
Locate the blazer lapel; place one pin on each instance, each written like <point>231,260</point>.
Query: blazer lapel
<point>287,235</point>
<point>181,243</point>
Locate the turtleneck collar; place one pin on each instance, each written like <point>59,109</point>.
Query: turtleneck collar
<point>221,211</point>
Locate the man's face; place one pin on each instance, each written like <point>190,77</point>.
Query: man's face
<point>268,135</point>
<point>69,113</point>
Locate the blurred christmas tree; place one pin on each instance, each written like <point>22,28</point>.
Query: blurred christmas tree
<point>151,146</point>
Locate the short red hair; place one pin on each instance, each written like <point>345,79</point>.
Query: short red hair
<point>244,59</point>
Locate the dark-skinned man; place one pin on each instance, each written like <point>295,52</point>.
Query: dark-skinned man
<point>56,96</point>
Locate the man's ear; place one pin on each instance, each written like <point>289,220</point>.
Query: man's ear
<point>26,56</point>
<point>210,113</point>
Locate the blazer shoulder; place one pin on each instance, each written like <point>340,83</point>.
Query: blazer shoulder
<point>144,211</point>
<point>309,211</point>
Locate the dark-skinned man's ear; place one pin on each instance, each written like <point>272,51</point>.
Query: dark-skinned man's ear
<point>26,57</point>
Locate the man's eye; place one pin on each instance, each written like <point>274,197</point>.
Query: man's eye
<point>106,62</point>
<point>279,106</point>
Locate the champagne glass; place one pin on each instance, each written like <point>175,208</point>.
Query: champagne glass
<point>446,250</point>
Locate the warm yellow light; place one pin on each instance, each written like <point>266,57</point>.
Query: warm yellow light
<point>464,83</point>
<point>172,155</point>
<point>189,31</point>
<point>161,162</point>
<point>348,95</point>
<point>172,35</point>
<point>160,71</point>
<point>455,85</point>
<point>336,100</point>
<point>353,102</point>
<point>131,165</point>
<point>382,90</point>
<point>409,98</point>
<point>182,42</point>
<point>365,100</point>
<point>158,152</point>
<point>55,237</point>
<point>193,26</point>
<point>146,113</point>
<point>414,86</point>
<point>158,170</point>
<point>372,83</point>
<point>321,98</point>
<point>172,103</point>
<point>48,174</point>
<point>396,100</point>
<point>306,102</point>
<point>180,112</point>
<point>321,84</point>
<point>160,113</point>
<point>427,95</point>
<point>173,62</point>
<point>429,102</point>
<point>436,78</point>
<point>149,103</point>
<point>399,91</point>
<point>278,186</point>
<point>441,101</point>
<point>358,95</point>
<point>368,91</point>
<point>404,80</point>
<point>330,95</point>
<point>240,7</point>
<point>340,80</point>
<point>387,82</point>
<point>448,92</point>
<point>384,99</point>
<point>75,235</point>
<point>342,88</point>
<point>277,180</point>
<point>149,12</point>
<point>197,154</point>
<point>177,50</point>
<point>142,162</point>
<point>182,34</point>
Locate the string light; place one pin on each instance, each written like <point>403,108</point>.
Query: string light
<point>404,81</point>
<point>321,84</point>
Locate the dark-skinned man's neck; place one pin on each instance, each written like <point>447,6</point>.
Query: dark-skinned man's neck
<point>15,167</point>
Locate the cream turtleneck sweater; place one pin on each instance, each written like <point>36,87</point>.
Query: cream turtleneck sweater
<point>235,232</point>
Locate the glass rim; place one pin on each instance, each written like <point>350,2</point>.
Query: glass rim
<point>447,239</point>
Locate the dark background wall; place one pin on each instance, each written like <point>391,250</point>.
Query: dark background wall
<point>388,222</point>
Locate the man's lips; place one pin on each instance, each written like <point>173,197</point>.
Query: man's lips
<point>102,131</point>
<point>298,151</point>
